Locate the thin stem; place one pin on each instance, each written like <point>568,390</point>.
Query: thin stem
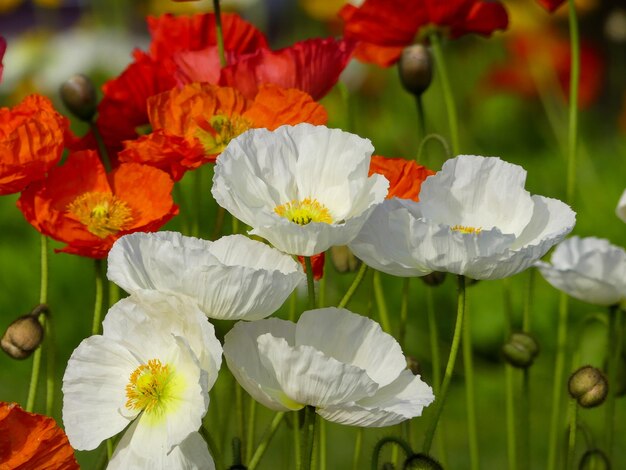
<point>571,442</point>
<point>573,102</point>
<point>265,440</point>
<point>421,119</point>
<point>250,428</point>
<point>109,446</point>
<point>219,223</point>
<point>614,351</point>
<point>454,349</point>
<point>436,138</point>
<point>213,448</point>
<point>102,150</point>
<point>219,33</point>
<point>308,441</point>
<point>310,281</point>
<point>43,286</point>
<point>241,426</point>
<point>354,286</point>
<point>448,98</point>
<point>511,434</point>
<point>197,198</point>
<point>470,399</point>
<point>322,444</point>
<point>297,440</point>
<point>525,396</point>
<point>114,293</point>
<point>358,443</point>
<point>381,305</point>
<point>50,353</point>
<point>404,310</point>
<point>34,380</point>
<point>97,309</point>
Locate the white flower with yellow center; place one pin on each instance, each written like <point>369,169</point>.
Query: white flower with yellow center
<point>231,278</point>
<point>151,369</point>
<point>303,188</point>
<point>341,363</point>
<point>620,210</point>
<point>474,218</point>
<point>588,269</point>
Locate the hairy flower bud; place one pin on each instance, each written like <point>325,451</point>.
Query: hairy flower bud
<point>416,69</point>
<point>421,462</point>
<point>520,350</point>
<point>594,459</point>
<point>343,260</point>
<point>24,335</point>
<point>79,96</point>
<point>588,386</point>
<point>434,279</point>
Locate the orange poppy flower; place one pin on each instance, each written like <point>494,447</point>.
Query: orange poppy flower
<point>194,124</point>
<point>83,206</point>
<point>32,136</point>
<point>405,176</point>
<point>32,441</point>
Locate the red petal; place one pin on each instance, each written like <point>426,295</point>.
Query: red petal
<point>551,5</point>
<point>317,263</point>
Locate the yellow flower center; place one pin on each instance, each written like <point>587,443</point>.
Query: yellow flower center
<point>103,213</point>
<point>466,229</point>
<point>304,212</point>
<point>223,129</point>
<point>151,388</point>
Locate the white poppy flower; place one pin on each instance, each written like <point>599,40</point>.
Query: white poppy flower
<point>474,218</point>
<point>589,269</point>
<point>303,188</point>
<point>151,368</point>
<point>341,363</point>
<point>620,210</point>
<point>231,278</point>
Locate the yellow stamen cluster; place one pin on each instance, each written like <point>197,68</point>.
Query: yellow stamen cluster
<point>149,387</point>
<point>224,128</point>
<point>304,212</point>
<point>103,213</point>
<point>465,229</point>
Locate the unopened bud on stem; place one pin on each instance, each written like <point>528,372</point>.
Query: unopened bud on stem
<point>416,69</point>
<point>24,335</point>
<point>79,96</point>
<point>588,386</point>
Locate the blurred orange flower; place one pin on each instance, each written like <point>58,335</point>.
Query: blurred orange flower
<point>32,441</point>
<point>194,124</point>
<point>405,176</point>
<point>83,206</point>
<point>32,137</point>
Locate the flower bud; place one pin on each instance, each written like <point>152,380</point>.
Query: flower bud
<point>434,279</point>
<point>588,386</point>
<point>343,260</point>
<point>416,69</point>
<point>520,350</point>
<point>79,96</point>
<point>421,462</point>
<point>594,459</point>
<point>22,337</point>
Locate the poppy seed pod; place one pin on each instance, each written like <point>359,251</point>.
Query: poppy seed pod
<point>588,386</point>
<point>416,69</point>
<point>520,350</point>
<point>79,96</point>
<point>22,336</point>
<point>421,462</point>
<point>343,260</point>
<point>594,459</point>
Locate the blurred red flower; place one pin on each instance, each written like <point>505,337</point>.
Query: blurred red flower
<point>551,5</point>
<point>384,27</point>
<point>83,206</point>
<point>317,264</point>
<point>192,125</point>
<point>32,136</point>
<point>3,48</point>
<point>405,176</point>
<point>32,441</point>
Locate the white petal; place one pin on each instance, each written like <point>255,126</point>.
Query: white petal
<point>352,339</point>
<point>620,210</point>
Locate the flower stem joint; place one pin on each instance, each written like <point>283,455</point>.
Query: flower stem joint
<point>588,386</point>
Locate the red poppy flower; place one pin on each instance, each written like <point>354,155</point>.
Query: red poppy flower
<point>193,125</point>
<point>551,5</point>
<point>317,264</point>
<point>405,176</point>
<point>32,136</point>
<point>546,57</point>
<point>384,27</point>
<point>83,206</point>
<point>32,441</point>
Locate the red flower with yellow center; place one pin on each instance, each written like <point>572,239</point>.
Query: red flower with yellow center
<point>32,441</point>
<point>194,124</point>
<point>405,176</point>
<point>384,27</point>
<point>32,136</point>
<point>83,206</point>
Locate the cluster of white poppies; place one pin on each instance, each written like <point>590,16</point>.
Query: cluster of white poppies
<point>303,189</point>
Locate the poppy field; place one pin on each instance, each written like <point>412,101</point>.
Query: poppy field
<point>312,234</point>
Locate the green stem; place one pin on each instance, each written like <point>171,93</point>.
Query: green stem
<point>197,198</point>
<point>308,440</point>
<point>573,103</point>
<point>380,303</point>
<point>358,443</point>
<point>97,309</point>
<point>557,390</point>
<point>250,428</point>
<point>297,440</point>
<point>525,398</point>
<point>43,287</point>
<point>404,309</point>
<point>219,33</point>
<point>219,223</point>
<point>213,448</point>
<point>310,281</point>
<point>421,119</point>
<point>511,433</point>
<point>102,150</point>
<point>109,446</point>
<point>614,351</point>
<point>442,72</point>
<point>436,138</point>
<point>114,293</point>
<point>454,349</point>
<point>241,427</point>
<point>470,399</point>
<point>354,286</point>
<point>34,380</point>
<point>293,304</point>
<point>50,353</point>
<point>322,444</point>
<point>265,440</point>
<point>571,442</point>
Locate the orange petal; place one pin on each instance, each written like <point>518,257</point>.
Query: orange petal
<point>405,176</point>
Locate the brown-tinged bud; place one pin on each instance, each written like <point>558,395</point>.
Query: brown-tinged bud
<point>434,279</point>
<point>588,386</point>
<point>594,459</point>
<point>520,350</point>
<point>416,68</point>
<point>413,365</point>
<point>22,337</point>
<point>421,462</point>
<point>79,96</point>
<point>343,260</point>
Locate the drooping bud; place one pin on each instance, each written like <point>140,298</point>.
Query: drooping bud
<point>520,350</point>
<point>79,96</point>
<point>434,279</point>
<point>343,260</point>
<point>594,459</point>
<point>416,69</point>
<point>588,386</point>
<point>24,335</point>
<point>422,462</point>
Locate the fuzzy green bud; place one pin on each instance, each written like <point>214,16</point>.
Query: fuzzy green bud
<point>79,96</point>
<point>416,69</point>
<point>594,459</point>
<point>421,462</point>
<point>520,350</point>
<point>588,386</point>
